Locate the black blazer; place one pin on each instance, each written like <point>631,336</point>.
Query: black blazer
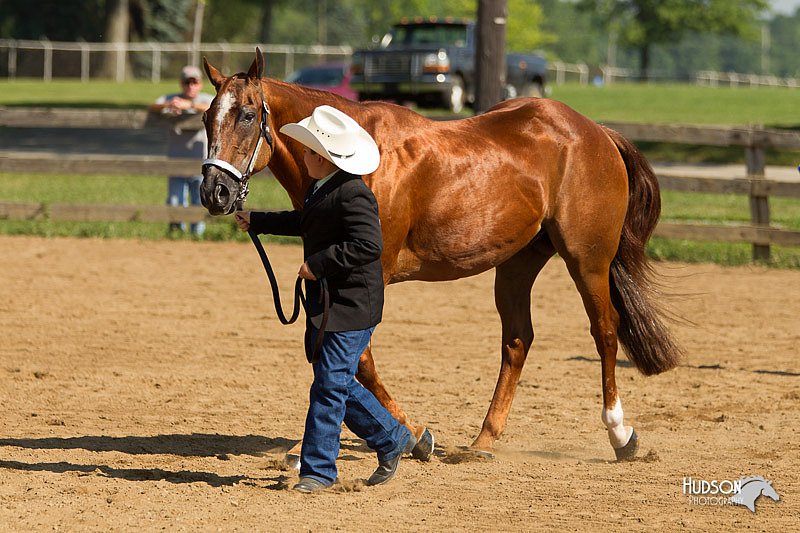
<point>342,243</point>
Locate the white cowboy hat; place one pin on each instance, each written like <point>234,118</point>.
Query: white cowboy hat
<point>338,138</point>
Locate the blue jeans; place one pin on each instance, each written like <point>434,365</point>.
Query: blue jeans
<point>337,397</point>
<point>185,191</point>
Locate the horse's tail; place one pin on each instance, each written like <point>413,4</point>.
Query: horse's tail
<point>642,331</point>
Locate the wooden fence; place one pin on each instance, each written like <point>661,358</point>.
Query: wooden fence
<point>753,140</point>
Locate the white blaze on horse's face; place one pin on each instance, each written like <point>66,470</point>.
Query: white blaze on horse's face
<point>226,102</point>
<point>220,190</point>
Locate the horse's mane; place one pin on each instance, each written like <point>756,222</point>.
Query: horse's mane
<point>750,479</point>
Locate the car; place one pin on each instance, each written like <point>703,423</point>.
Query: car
<point>332,77</point>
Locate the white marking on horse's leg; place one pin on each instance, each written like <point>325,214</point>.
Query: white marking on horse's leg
<point>618,434</point>
<point>224,106</point>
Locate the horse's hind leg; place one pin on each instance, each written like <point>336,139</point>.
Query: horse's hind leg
<point>512,291</point>
<point>589,268</point>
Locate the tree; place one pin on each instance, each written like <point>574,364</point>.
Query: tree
<point>118,22</point>
<point>159,20</point>
<point>785,31</point>
<point>642,23</point>
<point>55,20</point>
<point>525,30</point>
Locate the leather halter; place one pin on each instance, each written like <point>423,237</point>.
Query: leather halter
<point>243,178</point>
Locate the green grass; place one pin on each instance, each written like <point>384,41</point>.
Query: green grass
<point>98,94</point>
<point>725,208</point>
<point>686,104</point>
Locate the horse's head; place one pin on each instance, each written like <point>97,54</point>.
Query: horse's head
<point>240,141</point>
<point>768,491</point>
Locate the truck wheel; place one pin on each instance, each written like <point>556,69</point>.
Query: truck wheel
<point>533,89</point>
<point>455,99</point>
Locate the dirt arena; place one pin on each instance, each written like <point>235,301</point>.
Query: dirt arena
<point>148,385</point>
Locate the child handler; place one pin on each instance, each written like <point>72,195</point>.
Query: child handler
<point>342,243</point>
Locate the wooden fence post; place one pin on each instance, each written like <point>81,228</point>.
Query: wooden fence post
<point>490,55</point>
<point>759,204</point>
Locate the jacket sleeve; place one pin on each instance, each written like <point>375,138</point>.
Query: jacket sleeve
<point>276,222</point>
<point>363,242</point>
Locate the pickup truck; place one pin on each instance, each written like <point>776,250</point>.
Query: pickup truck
<point>432,62</point>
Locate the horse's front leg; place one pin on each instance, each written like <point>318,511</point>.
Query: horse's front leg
<point>368,376</point>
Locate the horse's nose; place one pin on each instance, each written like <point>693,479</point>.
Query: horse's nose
<point>221,194</point>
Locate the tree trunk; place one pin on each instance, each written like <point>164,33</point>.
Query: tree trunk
<point>266,22</point>
<point>117,30</point>
<point>644,63</point>
<point>490,53</point>
<point>197,31</point>
<point>322,22</point>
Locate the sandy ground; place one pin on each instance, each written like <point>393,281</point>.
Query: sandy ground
<point>148,385</point>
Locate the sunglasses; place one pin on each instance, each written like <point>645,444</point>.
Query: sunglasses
<point>191,81</point>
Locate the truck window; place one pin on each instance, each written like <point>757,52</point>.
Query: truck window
<point>437,35</point>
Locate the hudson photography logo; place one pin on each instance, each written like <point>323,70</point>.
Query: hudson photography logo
<point>744,491</point>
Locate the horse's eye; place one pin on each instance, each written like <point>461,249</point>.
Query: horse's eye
<point>249,116</point>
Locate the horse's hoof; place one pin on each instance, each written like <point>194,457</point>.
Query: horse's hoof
<point>628,452</point>
<point>485,455</point>
<point>424,448</point>
<point>292,461</point>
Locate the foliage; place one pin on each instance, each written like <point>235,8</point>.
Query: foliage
<point>357,23</point>
<point>160,20</point>
<point>641,24</point>
<point>525,21</point>
<point>54,19</point>
<point>166,20</point>
<point>572,35</point>
<point>784,36</point>
<point>645,22</point>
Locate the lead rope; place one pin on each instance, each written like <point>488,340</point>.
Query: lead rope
<point>299,297</point>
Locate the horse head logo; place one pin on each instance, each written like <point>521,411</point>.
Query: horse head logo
<point>751,488</point>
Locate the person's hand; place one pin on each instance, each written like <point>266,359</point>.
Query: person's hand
<point>242,219</point>
<point>306,273</point>
<point>180,104</point>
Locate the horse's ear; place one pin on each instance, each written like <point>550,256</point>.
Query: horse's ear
<point>257,68</point>
<point>213,74</point>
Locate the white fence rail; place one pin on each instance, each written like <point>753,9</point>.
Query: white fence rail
<point>151,61</point>
<point>735,79</point>
<point>147,60</point>
<point>562,69</point>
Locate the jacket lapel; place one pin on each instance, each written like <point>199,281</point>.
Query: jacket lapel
<point>314,198</point>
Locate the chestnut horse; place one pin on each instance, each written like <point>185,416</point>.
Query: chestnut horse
<point>507,190</point>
